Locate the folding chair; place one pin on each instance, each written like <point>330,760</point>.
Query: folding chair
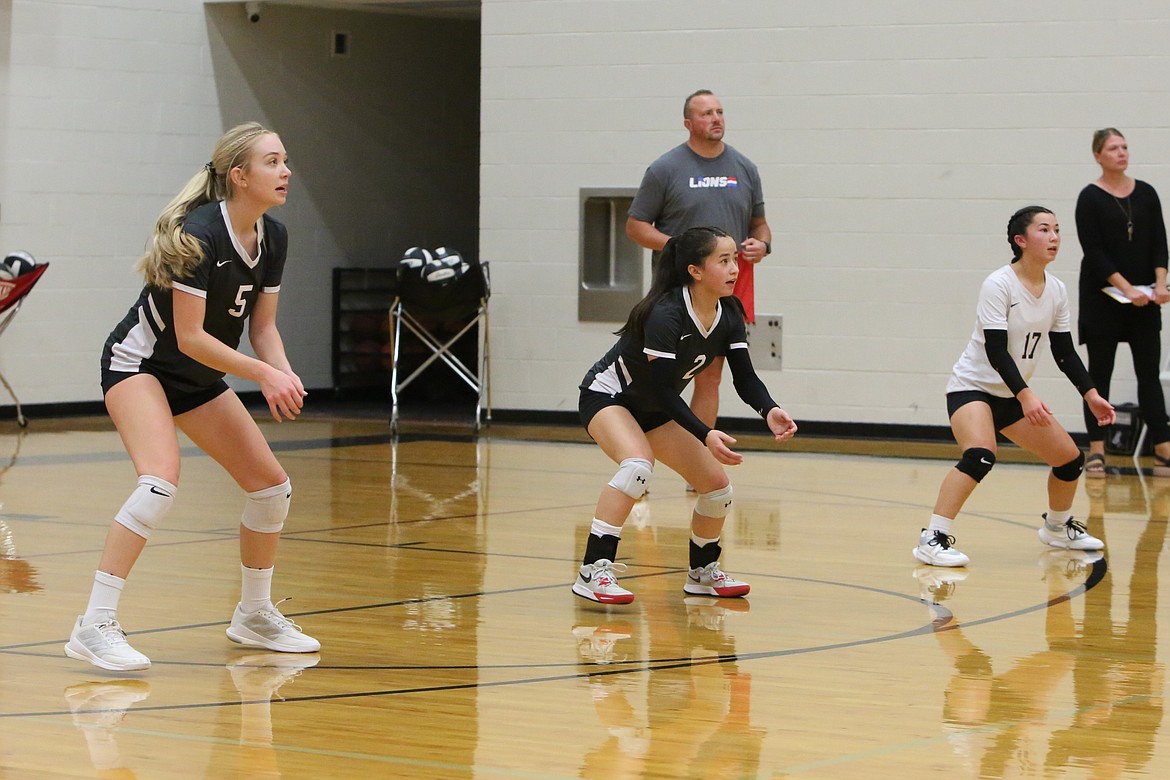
<point>12,295</point>
<point>465,297</point>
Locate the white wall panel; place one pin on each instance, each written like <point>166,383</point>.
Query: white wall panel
<point>894,140</point>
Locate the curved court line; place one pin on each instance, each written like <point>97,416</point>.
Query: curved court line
<point>943,623</point>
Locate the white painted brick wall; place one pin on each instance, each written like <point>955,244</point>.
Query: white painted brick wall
<point>894,140</point>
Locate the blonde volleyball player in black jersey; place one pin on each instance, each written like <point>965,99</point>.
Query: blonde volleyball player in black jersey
<point>214,262</point>
<point>1020,307</point>
<point>630,405</point>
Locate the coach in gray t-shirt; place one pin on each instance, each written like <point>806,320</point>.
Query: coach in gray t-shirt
<point>705,182</point>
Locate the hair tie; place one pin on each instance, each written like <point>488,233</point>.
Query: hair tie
<point>210,168</point>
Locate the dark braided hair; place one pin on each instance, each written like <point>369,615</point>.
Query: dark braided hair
<point>1018,226</point>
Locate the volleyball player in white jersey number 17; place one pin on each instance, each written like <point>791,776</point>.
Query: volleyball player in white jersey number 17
<point>630,405</point>
<point>1021,309</point>
<point>215,262</point>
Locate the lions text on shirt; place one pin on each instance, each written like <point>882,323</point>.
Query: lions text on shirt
<point>1006,304</point>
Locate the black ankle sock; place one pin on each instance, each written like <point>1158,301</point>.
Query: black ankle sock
<point>702,556</point>
<point>600,547</point>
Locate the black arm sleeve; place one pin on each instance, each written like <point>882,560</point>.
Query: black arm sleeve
<point>662,377</point>
<point>996,344</point>
<point>748,384</point>
<point>1070,362</point>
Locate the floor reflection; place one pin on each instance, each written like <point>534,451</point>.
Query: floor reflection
<point>694,716</point>
<point>258,679</point>
<point>98,708</point>
<point>1000,722</point>
<point>1118,682</point>
<point>997,720</point>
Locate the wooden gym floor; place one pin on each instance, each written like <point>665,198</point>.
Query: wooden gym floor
<point>436,573</point>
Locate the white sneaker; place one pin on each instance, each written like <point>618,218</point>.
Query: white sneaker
<point>1070,536</point>
<point>937,584</point>
<point>937,549</point>
<point>271,630</point>
<point>597,582</point>
<point>104,645</point>
<point>711,581</point>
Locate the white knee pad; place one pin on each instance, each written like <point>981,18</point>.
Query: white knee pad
<point>632,477</point>
<point>147,505</point>
<point>266,509</point>
<point>715,504</point>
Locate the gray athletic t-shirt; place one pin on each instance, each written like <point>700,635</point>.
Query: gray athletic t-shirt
<point>682,190</point>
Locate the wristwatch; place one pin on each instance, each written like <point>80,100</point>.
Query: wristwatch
<point>767,247</point>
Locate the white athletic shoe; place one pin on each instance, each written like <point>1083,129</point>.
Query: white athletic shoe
<point>937,549</point>
<point>711,581</point>
<point>104,645</point>
<point>597,582</point>
<point>1070,536</point>
<point>271,630</point>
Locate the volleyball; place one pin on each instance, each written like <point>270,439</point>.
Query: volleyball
<point>415,257</point>
<point>445,266</point>
<point>16,264</point>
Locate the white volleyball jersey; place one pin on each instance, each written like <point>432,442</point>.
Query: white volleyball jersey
<point>1006,304</point>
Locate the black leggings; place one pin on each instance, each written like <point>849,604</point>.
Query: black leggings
<point>1146,349</point>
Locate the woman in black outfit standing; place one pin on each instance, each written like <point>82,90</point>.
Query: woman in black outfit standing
<point>1120,226</point>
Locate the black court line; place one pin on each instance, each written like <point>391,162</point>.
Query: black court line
<point>944,622</point>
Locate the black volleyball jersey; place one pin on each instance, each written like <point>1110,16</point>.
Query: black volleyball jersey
<point>227,278</point>
<point>672,331</point>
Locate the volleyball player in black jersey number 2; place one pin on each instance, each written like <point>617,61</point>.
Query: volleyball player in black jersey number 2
<point>215,261</point>
<point>630,405</point>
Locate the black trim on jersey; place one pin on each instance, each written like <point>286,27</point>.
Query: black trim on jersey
<point>996,346</point>
<point>1069,362</point>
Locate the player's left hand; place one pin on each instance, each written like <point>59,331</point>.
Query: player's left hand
<point>781,424</point>
<point>1161,293</point>
<point>718,444</point>
<point>1101,409</point>
<point>284,393</point>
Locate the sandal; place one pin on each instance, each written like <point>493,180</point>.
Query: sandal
<point>1095,466</point>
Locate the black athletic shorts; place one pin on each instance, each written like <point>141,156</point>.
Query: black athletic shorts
<point>1004,411</point>
<point>179,400</point>
<point>593,402</point>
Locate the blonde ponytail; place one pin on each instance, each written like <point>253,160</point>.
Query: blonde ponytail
<point>171,251</point>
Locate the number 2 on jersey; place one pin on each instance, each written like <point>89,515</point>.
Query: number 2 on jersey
<point>700,361</point>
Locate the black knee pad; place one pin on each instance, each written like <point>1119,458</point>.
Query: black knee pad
<point>976,462</point>
<point>1071,471</point>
